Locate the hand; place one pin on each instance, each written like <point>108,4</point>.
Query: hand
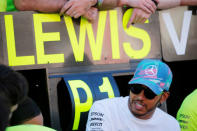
<point>77,8</point>
<point>91,14</point>
<point>146,5</point>
<point>138,16</point>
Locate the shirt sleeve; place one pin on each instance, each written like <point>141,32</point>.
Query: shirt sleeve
<point>98,118</point>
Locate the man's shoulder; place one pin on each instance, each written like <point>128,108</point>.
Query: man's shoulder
<point>190,100</point>
<point>167,121</point>
<point>166,117</point>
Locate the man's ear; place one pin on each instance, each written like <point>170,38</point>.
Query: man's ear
<point>164,97</point>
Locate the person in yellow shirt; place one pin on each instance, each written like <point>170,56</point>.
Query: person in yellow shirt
<point>3,5</point>
<point>187,113</point>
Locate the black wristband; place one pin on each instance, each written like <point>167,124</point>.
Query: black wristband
<point>156,3</point>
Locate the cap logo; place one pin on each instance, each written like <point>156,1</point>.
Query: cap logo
<point>151,70</point>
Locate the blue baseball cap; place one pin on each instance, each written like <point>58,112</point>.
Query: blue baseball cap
<point>154,74</point>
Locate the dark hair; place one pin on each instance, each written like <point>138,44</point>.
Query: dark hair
<point>26,110</point>
<point>13,85</point>
<point>13,90</point>
<point>4,114</point>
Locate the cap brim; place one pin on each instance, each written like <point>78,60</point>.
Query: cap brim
<point>153,86</point>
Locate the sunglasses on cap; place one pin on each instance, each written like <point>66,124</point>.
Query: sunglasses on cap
<point>137,89</point>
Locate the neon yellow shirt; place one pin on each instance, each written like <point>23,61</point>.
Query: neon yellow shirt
<point>187,114</point>
<point>3,5</point>
<point>29,128</point>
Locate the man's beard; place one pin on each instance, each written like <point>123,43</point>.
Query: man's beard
<point>147,112</point>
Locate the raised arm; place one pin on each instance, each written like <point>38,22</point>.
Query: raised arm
<point>188,2</point>
<point>147,5</point>
<point>52,6</point>
<point>165,4</point>
<point>140,16</point>
<point>39,5</point>
<point>76,8</point>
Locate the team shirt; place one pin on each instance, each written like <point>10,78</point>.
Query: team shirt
<point>187,114</point>
<point>114,115</point>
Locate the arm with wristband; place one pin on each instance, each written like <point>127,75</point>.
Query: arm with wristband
<point>52,6</point>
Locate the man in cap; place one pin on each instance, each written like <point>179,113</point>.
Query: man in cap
<point>137,112</point>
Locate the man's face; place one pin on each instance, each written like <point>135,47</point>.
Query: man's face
<point>142,107</point>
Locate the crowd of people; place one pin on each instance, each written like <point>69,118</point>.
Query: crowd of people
<point>139,111</point>
<point>148,88</point>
